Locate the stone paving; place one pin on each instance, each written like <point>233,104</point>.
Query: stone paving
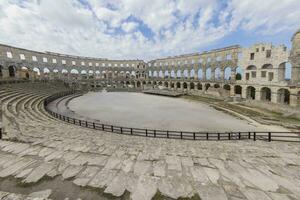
<point>229,170</point>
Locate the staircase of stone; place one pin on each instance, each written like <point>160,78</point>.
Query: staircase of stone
<point>47,147</point>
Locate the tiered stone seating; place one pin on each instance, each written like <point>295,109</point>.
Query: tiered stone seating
<point>37,146</point>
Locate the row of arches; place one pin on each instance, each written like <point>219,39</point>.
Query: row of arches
<point>200,74</point>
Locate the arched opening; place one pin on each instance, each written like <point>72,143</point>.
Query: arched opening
<point>200,74</point>
<point>132,74</point>
<point>238,73</point>
<point>184,85</point>
<point>160,83</point>
<point>166,84</point>
<point>238,90</point>
<point>138,84</point>
<point>167,75</point>
<point>267,66</point>
<point>192,74</point>
<point>155,74</point>
<point>24,73</point>
<point>150,74</point>
<point>192,86</point>
<point>227,73</point>
<point>185,74</point>
<point>127,74</point>
<point>199,86</point>
<point>178,74</point>
<point>11,71</point>
<point>160,74</point>
<point>298,99</point>
<point>218,73</point>
<point>207,86</point>
<point>178,85</point>
<point>36,71</point>
<point>172,74</point>
<point>285,71</point>
<point>265,94</point>
<point>250,72</point>
<point>250,92</point>
<point>208,73</point>
<point>226,87</point>
<point>283,96</point>
<point>216,86</point>
<point>172,85</point>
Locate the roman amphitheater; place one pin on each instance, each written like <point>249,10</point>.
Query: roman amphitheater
<point>220,124</point>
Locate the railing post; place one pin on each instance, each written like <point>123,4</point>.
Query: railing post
<point>73,121</point>
<point>167,134</point>
<point>154,133</point>
<point>181,135</point>
<point>146,133</point>
<point>206,136</point>
<point>269,137</point>
<point>249,135</point>
<point>239,135</point>
<point>94,126</point>
<point>131,131</point>
<point>121,130</point>
<point>218,136</point>
<point>229,136</point>
<point>86,124</point>
<point>254,136</point>
<point>79,122</point>
<point>112,128</point>
<point>194,136</point>
<point>103,127</point>
<point>0,133</point>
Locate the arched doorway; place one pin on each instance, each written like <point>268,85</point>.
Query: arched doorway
<point>238,90</point>
<point>199,86</point>
<point>138,84</point>
<point>178,85</point>
<point>1,73</point>
<point>265,93</point>
<point>192,86</point>
<point>283,96</point>
<point>184,85</point>
<point>12,71</point>
<point>250,92</point>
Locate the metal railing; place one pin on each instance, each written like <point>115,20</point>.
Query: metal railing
<point>184,135</point>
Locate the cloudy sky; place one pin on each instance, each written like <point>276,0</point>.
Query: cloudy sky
<point>144,29</point>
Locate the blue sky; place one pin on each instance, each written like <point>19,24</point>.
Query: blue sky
<point>143,29</point>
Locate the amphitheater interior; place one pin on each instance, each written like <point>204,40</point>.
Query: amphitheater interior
<point>47,155</point>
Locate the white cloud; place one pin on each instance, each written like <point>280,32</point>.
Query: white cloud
<point>167,27</point>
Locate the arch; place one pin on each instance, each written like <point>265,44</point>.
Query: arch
<point>192,86</point>
<point>192,74</point>
<point>160,83</point>
<point>217,73</point>
<point>208,73</point>
<point>132,74</point>
<point>226,87</point>
<point>285,71</point>
<point>250,90</point>
<point>283,96</point>
<point>150,73</point>
<point>267,66</point>
<point>138,84</point>
<point>200,74</point>
<point>12,71</point>
<point>166,84</point>
<point>155,74</point>
<point>178,85</point>
<point>227,73</point>
<point>251,67</point>
<point>64,71</point>
<point>178,74</point>
<point>185,73</point>
<point>216,85</point>
<point>55,71</point>
<point>167,75</point>
<point>238,73</point>
<point>36,70</point>
<point>185,85</point>
<point>160,74</point>
<point>298,99</point>
<point>83,72</point>
<point>74,71</point>
<point>238,89</point>
<point>199,86</point>
<point>172,85</point>
<point>207,86</point>
<point>46,70</point>
<point>265,94</point>
<point>172,74</point>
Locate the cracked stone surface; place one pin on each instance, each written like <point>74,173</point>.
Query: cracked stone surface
<point>144,166</point>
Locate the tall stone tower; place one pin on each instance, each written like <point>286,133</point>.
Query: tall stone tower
<point>295,57</point>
